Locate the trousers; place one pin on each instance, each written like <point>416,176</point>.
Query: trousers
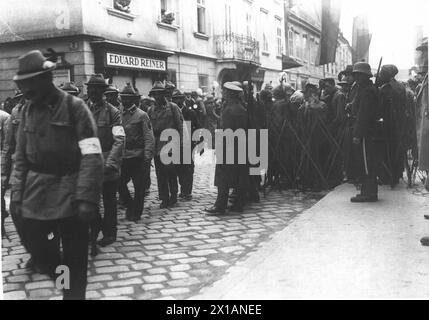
<point>166,176</point>
<point>43,239</point>
<point>185,173</point>
<point>108,223</point>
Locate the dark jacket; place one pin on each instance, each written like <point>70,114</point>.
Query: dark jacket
<point>233,117</point>
<point>112,137</point>
<point>364,109</point>
<point>58,158</point>
<point>139,141</point>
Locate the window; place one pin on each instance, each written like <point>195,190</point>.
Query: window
<point>168,14</point>
<point>305,50</point>
<point>203,82</point>
<point>264,16</point>
<point>201,16</point>
<point>249,25</point>
<point>297,43</point>
<point>279,37</point>
<point>290,43</point>
<point>122,5</point>
<point>312,52</point>
<point>228,23</point>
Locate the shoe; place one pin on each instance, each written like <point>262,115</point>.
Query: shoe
<point>163,205</point>
<point>106,241</point>
<point>214,210</point>
<point>30,264</point>
<point>235,208</point>
<point>172,201</point>
<point>181,195</point>
<point>361,198</point>
<point>94,250</point>
<point>147,192</point>
<point>187,197</point>
<point>426,216</point>
<point>425,241</point>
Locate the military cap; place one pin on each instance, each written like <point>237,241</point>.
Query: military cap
<point>97,80</point>
<point>129,91</point>
<point>144,98</point>
<point>232,87</point>
<point>70,88</point>
<point>390,70</point>
<point>32,64</point>
<point>363,68</point>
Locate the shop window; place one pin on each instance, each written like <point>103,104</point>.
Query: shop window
<point>201,16</point>
<point>203,82</point>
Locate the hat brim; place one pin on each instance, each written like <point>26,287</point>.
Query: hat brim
<point>96,84</point>
<point>129,95</point>
<point>20,77</point>
<point>365,73</point>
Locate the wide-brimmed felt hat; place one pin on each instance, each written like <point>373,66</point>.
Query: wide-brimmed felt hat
<point>97,80</point>
<point>129,91</point>
<point>232,87</point>
<point>178,94</point>
<point>158,87</point>
<point>32,64</point>
<point>144,98</point>
<point>362,67</point>
<point>111,89</point>
<point>169,86</point>
<point>70,88</point>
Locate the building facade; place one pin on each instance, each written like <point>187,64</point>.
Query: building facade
<point>194,43</point>
<point>303,25</point>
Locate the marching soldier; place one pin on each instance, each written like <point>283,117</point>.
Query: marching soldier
<point>185,172</point>
<point>164,115</point>
<point>112,137</point>
<point>235,175</point>
<point>112,96</point>
<point>364,110</point>
<point>139,148</point>
<point>57,172</point>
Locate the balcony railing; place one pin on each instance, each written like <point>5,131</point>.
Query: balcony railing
<point>237,47</point>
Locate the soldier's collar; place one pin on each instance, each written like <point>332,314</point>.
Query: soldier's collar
<point>130,110</point>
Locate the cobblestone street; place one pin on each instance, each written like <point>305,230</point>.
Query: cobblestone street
<point>169,254</point>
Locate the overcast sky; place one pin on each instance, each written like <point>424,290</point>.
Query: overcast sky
<point>393,26</point>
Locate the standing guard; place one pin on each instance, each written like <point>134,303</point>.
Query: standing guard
<point>164,115</point>
<point>57,174</point>
<point>364,109</point>
<point>112,137</point>
<point>139,148</point>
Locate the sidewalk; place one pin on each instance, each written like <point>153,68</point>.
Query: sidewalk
<point>340,250</point>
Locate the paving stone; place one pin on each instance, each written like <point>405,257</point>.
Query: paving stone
<point>127,282</point>
<point>15,295</point>
<point>103,277</point>
<point>112,269</point>
<point>164,263</point>
<point>129,275</point>
<point>178,275</point>
<point>155,278</point>
<point>107,256</point>
<point>40,293</point>
<point>154,247</point>
<point>175,291</point>
<point>22,278</point>
<point>180,267</point>
<point>141,266</point>
<point>173,256</point>
<point>148,287</point>
<point>118,291</point>
<point>93,295</point>
<point>94,286</point>
<point>103,263</point>
<point>146,259</point>
<point>231,249</point>
<point>39,285</point>
<point>124,262</point>
<point>184,282</point>
<point>201,253</point>
<point>157,271</point>
<point>218,263</point>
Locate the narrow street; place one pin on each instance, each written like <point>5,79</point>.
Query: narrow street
<point>169,254</point>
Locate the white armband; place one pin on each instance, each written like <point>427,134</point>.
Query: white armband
<point>118,131</point>
<point>90,146</point>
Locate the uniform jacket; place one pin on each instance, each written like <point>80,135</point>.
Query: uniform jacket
<point>112,137</point>
<point>337,107</point>
<point>139,141</point>
<point>164,117</point>
<point>422,103</point>
<point>364,108</point>
<point>10,143</point>
<point>233,117</point>
<point>58,158</point>
<point>4,121</point>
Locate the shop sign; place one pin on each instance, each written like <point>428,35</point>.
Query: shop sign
<point>133,62</point>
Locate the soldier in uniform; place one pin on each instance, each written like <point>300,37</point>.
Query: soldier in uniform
<point>364,110</point>
<point>56,182</point>
<point>185,172</point>
<point>147,103</point>
<point>112,96</point>
<point>164,115</point>
<point>139,148</point>
<point>200,107</point>
<point>235,175</point>
<point>112,137</point>
<point>4,120</point>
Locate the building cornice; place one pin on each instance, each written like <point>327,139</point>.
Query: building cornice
<point>293,18</point>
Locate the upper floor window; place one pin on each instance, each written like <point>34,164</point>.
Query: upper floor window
<point>168,14</point>
<point>264,16</point>
<point>249,25</point>
<point>122,5</point>
<point>279,35</point>
<point>290,43</point>
<point>201,16</point>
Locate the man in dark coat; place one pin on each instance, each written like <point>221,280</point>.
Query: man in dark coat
<point>231,174</point>
<point>393,101</point>
<point>58,173</point>
<point>112,137</point>
<point>364,109</point>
